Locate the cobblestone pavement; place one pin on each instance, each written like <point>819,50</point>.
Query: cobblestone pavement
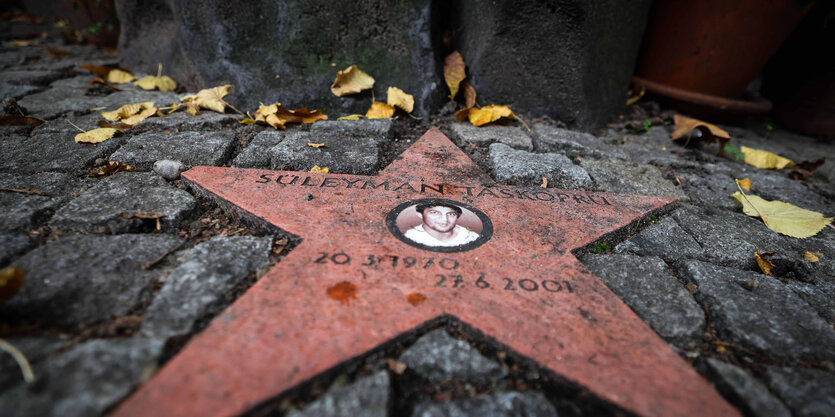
<point>111,294</point>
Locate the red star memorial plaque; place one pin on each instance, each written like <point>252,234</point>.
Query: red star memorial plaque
<point>379,258</point>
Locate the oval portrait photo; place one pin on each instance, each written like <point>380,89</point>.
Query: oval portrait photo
<point>439,225</point>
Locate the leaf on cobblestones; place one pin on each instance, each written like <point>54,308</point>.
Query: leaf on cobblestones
<point>248,121</point>
<point>277,116</point>
<point>210,98</point>
<point>489,114</point>
<point>379,110</point>
<point>454,72</point>
<point>101,82</point>
<point>96,135</point>
<point>55,53</point>
<point>781,217</point>
<point>765,159</point>
<point>709,132</point>
<point>11,279</point>
<point>22,43</point>
<point>17,120</point>
<point>469,94</point>
<point>804,170</point>
<point>351,117</point>
<point>544,183</point>
<point>351,80</point>
<point>118,76</point>
<point>762,261</point>
<point>811,257</point>
<point>322,170</point>
<point>131,114</point>
<point>160,82</point>
<point>97,70</point>
<point>110,168</point>
<point>315,145</point>
<point>399,98</point>
<point>122,127</point>
<point>745,183</point>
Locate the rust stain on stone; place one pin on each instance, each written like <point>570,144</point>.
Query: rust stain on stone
<point>416,298</point>
<point>343,292</point>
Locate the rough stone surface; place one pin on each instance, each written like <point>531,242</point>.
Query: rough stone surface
<point>808,392</point>
<point>169,169</point>
<point>500,404</point>
<point>349,155</point>
<point>182,121</point>
<point>62,98</point>
<point>379,128</point>
<point>745,391</point>
<point>648,288</point>
<point>80,278</point>
<point>52,152</point>
<point>366,397</point>
<point>19,211</point>
<point>760,313</point>
<point>777,186</point>
<point>665,239</point>
<point>439,358</point>
<point>619,176</point>
<point>302,44</point>
<point>569,142</point>
<point>30,77</point>
<point>16,90</point>
<point>11,245</point>
<point>821,296</point>
<point>210,271</point>
<point>112,205</point>
<point>578,80</point>
<point>485,135</point>
<point>713,190</point>
<point>84,381</point>
<point>190,148</point>
<point>257,153</point>
<point>525,168</point>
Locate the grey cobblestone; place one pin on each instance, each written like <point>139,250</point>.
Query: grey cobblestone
<point>257,153</point>
<point>745,391</point>
<point>19,210</point>
<point>808,392</point>
<point>190,148</point>
<point>619,176</point>
<point>511,136</point>
<point>526,168</point>
<point>52,152</point>
<point>439,357</point>
<point>500,404</point>
<point>344,155</point>
<point>11,245</point>
<point>366,397</point>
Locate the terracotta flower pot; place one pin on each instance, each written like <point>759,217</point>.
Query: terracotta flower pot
<point>707,52</point>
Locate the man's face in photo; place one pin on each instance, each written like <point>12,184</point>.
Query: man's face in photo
<point>439,218</point>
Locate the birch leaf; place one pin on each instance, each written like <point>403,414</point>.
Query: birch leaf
<point>454,72</point>
<point>129,111</point>
<point>398,98</point>
<point>765,159</point>
<point>489,114</point>
<point>351,80</point>
<point>210,98</point>
<point>96,135</point>
<point>379,110</point>
<point>277,116</point>
<point>781,217</point>
<point>142,115</point>
<point>160,82</point>
<point>118,76</point>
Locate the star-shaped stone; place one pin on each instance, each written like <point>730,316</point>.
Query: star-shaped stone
<point>356,282</point>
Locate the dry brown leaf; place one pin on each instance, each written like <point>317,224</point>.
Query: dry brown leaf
<point>379,110</point>
<point>277,116</point>
<point>28,191</point>
<point>454,72</point>
<point>469,94</point>
<point>210,98</point>
<point>803,170</point>
<point>17,120</point>
<point>110,168</point>
<point>351,80</point>
<point>55,52</point>
<point>745,183</point>
<point>22,43</point>
<point>322,170</point>
<point>96,135</point>
<point>811,257</point>
<point>489,114</point>
<point>97,70</point>
<point>351,117</point>
<point>11,280</point>
<point>637,94</point>
<point>544,183</point>
<point>685,125</point>
<point>398,98</point>
<point>131,114</point>
<point>765,159</point>
<point>463,114</point>
<point>118,76</point>
<point>142,115</point>
<point>315,145</point>
<point>396,366</point>
<point>122,127</point>
<point>762,261</point>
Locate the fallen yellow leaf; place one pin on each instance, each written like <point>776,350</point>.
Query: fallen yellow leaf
<point>685,125</point>
<point>811,257</point>
<point>351,80</point>
<point>640,91</point>
<point>745,183</point>
<point>22,43</point>
<point>544,183</point>
<point>277,116</point>
<point>764,264</point>
<point>454,72</point>
<point>162,82</point>
<point>131,114</point>
<point>248,121</point>
<point>142,115</point>
<point>489,114</point>
<point>351,117</point>
<point>765,159</point>
<point>781,217</point>
<point>380,110</point>
<point>469,94</point>
<point>315,145</point>
<point>11,279</point>
<point>118,76</point>
<point>463,114</point>
<point>316,168</point>
<point>398,98</point>
<point>96,135</point>
<point>210,98</point>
